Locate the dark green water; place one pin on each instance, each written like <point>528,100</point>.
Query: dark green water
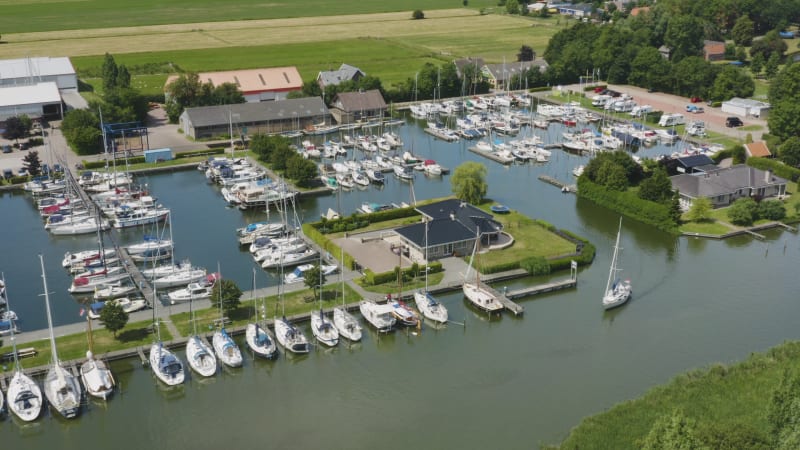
<point>507,383</point>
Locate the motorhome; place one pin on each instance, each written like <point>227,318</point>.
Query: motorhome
<point>696,128</point>
<point>668,120</point>
<point>640,111</point>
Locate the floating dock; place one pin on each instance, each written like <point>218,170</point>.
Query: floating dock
<point>491,155</point>
<point>440,135</point>
<point>559,184</point>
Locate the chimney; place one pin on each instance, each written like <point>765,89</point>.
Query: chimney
<point>767,176</point>
<point>452,215</point>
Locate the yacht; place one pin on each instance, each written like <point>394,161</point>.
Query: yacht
<point>379,316</point>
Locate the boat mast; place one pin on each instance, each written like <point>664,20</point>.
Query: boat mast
<point>341,275</point>
<point>613,267</point>
<point>426,257</point>
<point>13,341</point>
<point>47,306</point>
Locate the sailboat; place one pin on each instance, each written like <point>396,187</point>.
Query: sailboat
<point>426,303</point>
<point>62,389</point>
<point>198,353</point>
<point>617,292</point>
<point>475,292</point>
<point>24,397</point>
<point>96,376</point>
<point>321,327</point>
<point>166,366</point>
<point>347,325</point>
<point>257,336</point>
<point>289,336</point>
<point>224,346</point>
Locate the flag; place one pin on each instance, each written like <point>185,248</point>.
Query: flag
<point>82,312</point>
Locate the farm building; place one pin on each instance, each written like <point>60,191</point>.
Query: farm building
<point>713,50</point>
<point>452,229</point>
<point>346,72</point>
<point>30,83</point>
<point>252,118</point>
<point>350,107</point>
<point>499,75</point>
<point>745,107</point>
<point>723,186</point>
<point>257,85</point>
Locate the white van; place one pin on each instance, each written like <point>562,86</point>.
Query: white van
<point>696,128</point>
<point>668,120</point>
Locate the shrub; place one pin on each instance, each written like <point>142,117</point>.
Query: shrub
<point>536,265</point>
<point>743,211</point>
<point>327,245</point>
<point>778,168</point>
<point>771,210</point>
<point>371,278</point>
<point>628,204</point>
<point>417,14</point>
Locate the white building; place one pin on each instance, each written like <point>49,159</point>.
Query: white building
<point>38,87</point>
<point>35,101</point>
<point>745,107</point>
<point>27,71</point>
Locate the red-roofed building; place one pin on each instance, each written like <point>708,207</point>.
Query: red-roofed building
<point>757,150</point>
<point>257,85</point>
<point>713,50</point>
<point>639,10</point>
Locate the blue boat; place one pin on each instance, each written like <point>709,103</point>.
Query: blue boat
<point>500,209</point>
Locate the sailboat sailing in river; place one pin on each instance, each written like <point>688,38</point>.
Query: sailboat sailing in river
<point>617,292</point>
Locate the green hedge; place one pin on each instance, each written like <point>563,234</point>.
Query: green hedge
<point>356,221</point>
<point>19,179</point>
<point>102,164</point>
<point>500,267</point>
<point>629,204</point>
<point>328,245</point>
<point>592,88</point>
<point>722,154</point>
<point>371,278</point>
<point>205,152</point>
<point>653,117</point>
<point>539,89</point>
<point>777,167</point>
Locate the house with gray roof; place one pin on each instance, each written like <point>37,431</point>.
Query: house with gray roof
<point>453,226</point>
<point>252,118</point>
<point>358,106</point>
<point>499,75</point>
<point>463,63</point>
<point>724,186</point>
<point>346,72</point>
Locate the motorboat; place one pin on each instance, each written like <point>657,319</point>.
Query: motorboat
<point>81,285</point>
<point>166,269</point>
<point>404,315</point>
<point>261,229</point>
<point>617,291</point>
<point>128,305</point>
<point>96,376</point>
<point>133,217</point>
<point>290,337</point>
<point>379,316</point>
<point>323,329</point>
<point>194,291</point>
<point>360,178</point>
<point>430,167</point>
<point>113,291</point>
<point>404,173</point>
<point>84,225</point>
<point>182,277</point>
<point>78,258</point>
<point>151,256</point>
<point>165,365</point>
<point>289,259</point>
<point>376,176</point>
<point>200,356</point>
<point>298,274</point>
<point>226,349</point>
<point>149,243</point>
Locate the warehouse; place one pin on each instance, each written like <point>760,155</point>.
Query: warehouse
<point>37,101</point>
<point>257,85</point>
<point>745,107</point>
<point>38,87</point>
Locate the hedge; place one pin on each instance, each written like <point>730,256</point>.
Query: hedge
<point>205,152</point>
<point>591,88</point>
<point>722,154</point>
<point>102,164</point>
<point>328,245</point>
<point>356,221</point>
<point>629,204</point>
<point>540,89</point>
<point>371,278</point>
<point>777,167</point>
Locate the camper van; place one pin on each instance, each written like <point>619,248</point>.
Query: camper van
<point>640,111</point>
<point>696,128</point>
<point>668,120</point>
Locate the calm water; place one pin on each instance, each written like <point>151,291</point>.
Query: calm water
<point>506,383</point>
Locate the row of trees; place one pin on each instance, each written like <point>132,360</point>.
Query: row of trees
<point>278,153</point>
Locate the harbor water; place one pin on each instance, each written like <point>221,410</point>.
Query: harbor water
<point>506,382</point>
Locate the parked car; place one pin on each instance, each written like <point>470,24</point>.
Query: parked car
<point>599,89</point>
<point>694,109</point>
<point>8,174</point>
<point>696,99</point>
<point>22,172</point>
<point>7,148</point>
<point>732,122</point>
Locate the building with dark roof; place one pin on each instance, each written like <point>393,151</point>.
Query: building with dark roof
<point>689,164</point>
<point>463,63</point>
<point>499,75</point>
<point>349,107</point>
<point>346,72</point>
<point>452,228</point>
<point>252,118</point>
<point>724,186</point>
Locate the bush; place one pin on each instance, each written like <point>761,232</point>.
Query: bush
<point>536,265</point>
<point>771,210</point>
<point>417,14</point>
<point>371,278</point>
<point>209,152</point>
<point>102,164</point>
<point>327,245</point>
<point>778,168</point>
<point>628,204</point>
<point>743,211</point>
<point>356,221</point>
<point>539,89</point>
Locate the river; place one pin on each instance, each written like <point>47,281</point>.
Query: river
<point>511,383</point>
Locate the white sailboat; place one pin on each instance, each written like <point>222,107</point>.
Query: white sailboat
<point>617,292</point>
<point>198,353</point>
<point>62,389</point>
<point>257,336</point>
<point>345,322</point>
<point>288,335</point>
<point>96,376</point>
<point>426,303</point>
<point>224,346</point>
<point>475,292</point>
<point>321,326</point>
<point>24,396</point>
<point>166,365</point>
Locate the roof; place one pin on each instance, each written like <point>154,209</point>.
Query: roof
<point>464,62</point>
<point>506,71</point>
<point>443,228</point>
<point>695,161</point>
<point>724,181</point>
<point>33,67</point>
<point>206,116</point>
<point>253,81</point>
<point>34,94</point>
<point>746,103</point>
<point>639,10</point>
<point>758,149</point>
<point>359,101</point>
<point>346,72</point>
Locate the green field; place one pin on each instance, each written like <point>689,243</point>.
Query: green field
<point>27,16</point>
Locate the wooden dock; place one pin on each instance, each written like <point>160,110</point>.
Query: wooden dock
<point>542,288</point>
<point>559,184</point>
<point>139,280</point>
<point>439,135</point>
<point>507,303</point>
<point>490,155</point>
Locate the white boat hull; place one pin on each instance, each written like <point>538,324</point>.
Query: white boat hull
<point>200,357</point>
<point>429,307</point>
<point>166,365</point>
<point>347,325</point>
<point>226,349</point>
<point>481,298</point>
<point>290,337</point>
<point>24,397</point>
<point>97,378</point>
<point>63,392</point>
<point>260,341</point>
<point>323,329</point>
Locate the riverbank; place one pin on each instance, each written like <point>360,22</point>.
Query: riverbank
<point>728,404</point>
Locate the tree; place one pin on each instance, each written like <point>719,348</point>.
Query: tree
<point>675,432</point>
<point>227,292</point>
<point>769,44</point>
<point>675,210</point>
<point>512,7</point>
<point>525,53</point>
<point>771,66</point>
<point>314,279</point>
<point>732,82</point>
<point>700,210</point>
<point>81,128</point>
<point>743,211</point>
<point>32,163</point>
<point>302,171</point>
<point>469,182</point>
<point>650,69</point>
<point>110,72</point>
<point>612,176</point>
<point>684,35</point>
<point>741,54</point>
<point>771,210</point>
<point>656,188</point>
<point>417,14</point>
<point>738,154</point>
<point>226,94</point>
<point>123,77</point>
<point>757,64</point>
<point>280,157</point>
<point>113,317</point>
<point>784,96</point>
<point>742,32</point>
<point>15,128</point>
<point>789,151</point>
<point>185,91</point>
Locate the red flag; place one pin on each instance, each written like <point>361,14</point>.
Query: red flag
<point>82,312</point>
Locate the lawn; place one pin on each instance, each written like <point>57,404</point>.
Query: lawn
<point>296,302</point>
<point>530,239</point>
<point>27,16</point>
<point>394,288</point>
<point>147,84</point>
<point>705,227</point>
<point>74,346</point>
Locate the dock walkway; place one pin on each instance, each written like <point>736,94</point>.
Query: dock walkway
<point>559,184</point>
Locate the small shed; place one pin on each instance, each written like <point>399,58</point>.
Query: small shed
<point>158,155</point>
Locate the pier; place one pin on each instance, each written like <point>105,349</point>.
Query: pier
<point>138,279</point>
<point>559,184</point>
<point>491,155</point>
<point>445,136</point>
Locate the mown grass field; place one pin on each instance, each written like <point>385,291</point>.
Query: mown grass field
<point>721,397</point>
<point>75,345</point>
<point>48,15</point>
